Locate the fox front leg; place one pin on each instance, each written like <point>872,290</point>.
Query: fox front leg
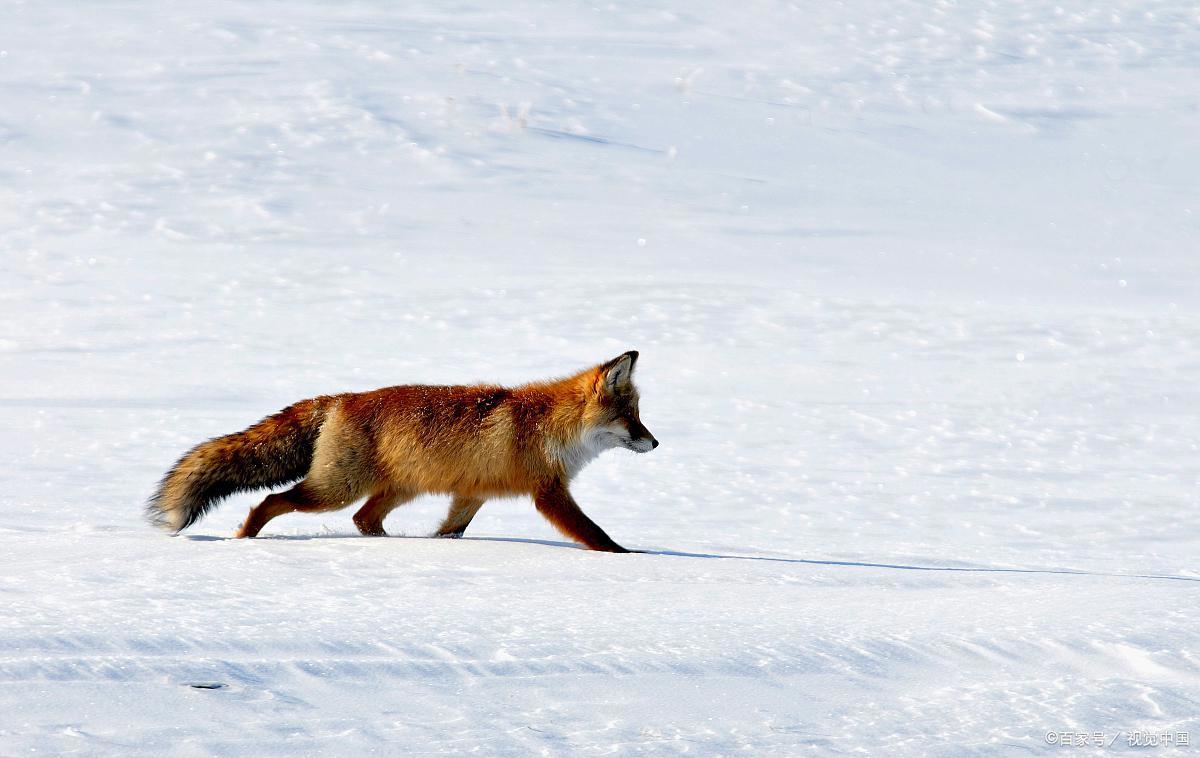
<point>556,504</point>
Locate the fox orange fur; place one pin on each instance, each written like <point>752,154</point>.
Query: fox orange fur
<point>393,444</point>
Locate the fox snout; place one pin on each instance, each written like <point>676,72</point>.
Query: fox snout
<point>643,445</point>
<point>640,438</point>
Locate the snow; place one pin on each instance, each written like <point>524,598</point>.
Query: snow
<point>916,291</point>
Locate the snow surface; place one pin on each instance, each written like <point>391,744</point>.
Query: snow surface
<point>917,290</point>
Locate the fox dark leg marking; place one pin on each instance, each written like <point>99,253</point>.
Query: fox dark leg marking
<point>462,510</point>
<point>556,504</point>
<point>369,518</point>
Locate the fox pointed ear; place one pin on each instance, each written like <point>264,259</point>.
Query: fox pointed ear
<point>618,372</point>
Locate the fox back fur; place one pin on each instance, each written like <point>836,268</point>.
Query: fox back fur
<point>391,445</point>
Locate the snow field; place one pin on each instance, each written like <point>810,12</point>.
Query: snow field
<point>914,287</point>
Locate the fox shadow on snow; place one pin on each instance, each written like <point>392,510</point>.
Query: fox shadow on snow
<point>718,556</point>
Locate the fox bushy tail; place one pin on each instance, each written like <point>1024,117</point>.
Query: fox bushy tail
<point>273,452</point>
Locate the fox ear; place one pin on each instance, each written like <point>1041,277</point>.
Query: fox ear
<point>618,372</point>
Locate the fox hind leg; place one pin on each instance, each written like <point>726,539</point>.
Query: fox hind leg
<point>342,471</point>
<point>298,498</point>
<point>462,510</point>
<point>369,518</point>
<point>309,496</point>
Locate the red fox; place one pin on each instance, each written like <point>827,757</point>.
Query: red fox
<point>393,444</point>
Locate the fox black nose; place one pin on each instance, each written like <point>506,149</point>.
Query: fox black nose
<point>653,444</point>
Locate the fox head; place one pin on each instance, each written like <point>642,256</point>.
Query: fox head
<point>613,419</point>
